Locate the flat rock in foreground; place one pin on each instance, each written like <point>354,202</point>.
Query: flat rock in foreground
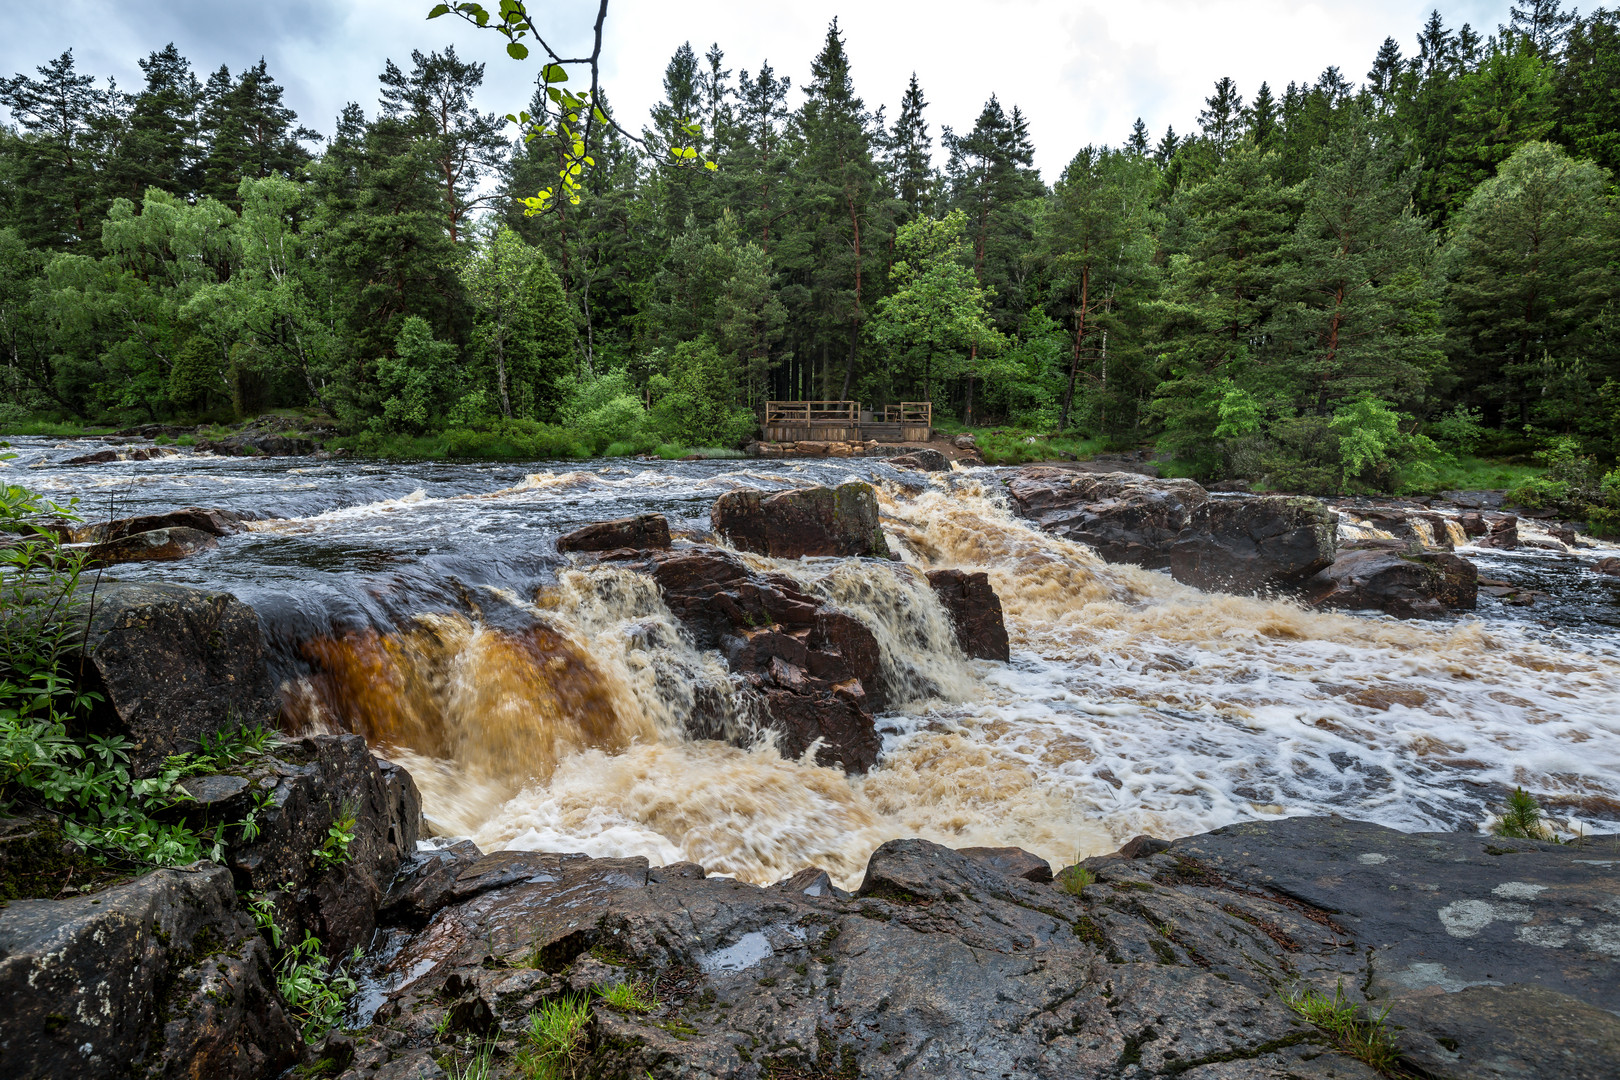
<point>948,964</point>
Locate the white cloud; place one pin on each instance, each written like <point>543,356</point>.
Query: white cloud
<point>1081,71</point>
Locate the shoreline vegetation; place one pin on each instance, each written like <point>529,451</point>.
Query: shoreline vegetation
<point>1397,285</point>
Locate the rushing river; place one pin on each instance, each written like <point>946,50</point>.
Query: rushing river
<point>540,702</point>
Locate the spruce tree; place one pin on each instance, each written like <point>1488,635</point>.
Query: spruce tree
<point>1221,119</point>
<point>910,155</point>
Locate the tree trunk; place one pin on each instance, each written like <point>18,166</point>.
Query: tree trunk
<point>1079,337</point>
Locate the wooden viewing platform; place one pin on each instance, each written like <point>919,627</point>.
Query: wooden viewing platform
<point>846,421</point>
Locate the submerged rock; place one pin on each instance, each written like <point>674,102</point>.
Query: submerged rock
<point>196,518</point>
<point>639,531</point>
<point>1401,582</point>
<point>840,521</point>
<point>163,976</point>
<point>173,664</point>
<point>155,545</point>
<point>975,609</point>
<point>1124,517</point>
<point>951,964</point>
<point>1253,544</point>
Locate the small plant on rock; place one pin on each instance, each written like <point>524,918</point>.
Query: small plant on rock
<point>555,1040</point>
<point>628,997</point>
<point>1521,818</point>
<point>1366,1040</point>
<point>334,849</point>
<point>315,988</point>
<point>1075,879</point>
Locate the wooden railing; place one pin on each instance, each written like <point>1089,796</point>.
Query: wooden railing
<point>907,412</point>
<point>807,412</point>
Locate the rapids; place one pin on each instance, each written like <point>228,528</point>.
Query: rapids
<point>540,701</point>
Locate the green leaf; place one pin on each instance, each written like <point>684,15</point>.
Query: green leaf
<point>517,51</point>
<point>600,115</point>
<point>710,165</point>
<point>439,9</point>
<point>554,73</point>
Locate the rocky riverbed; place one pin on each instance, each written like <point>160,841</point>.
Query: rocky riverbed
<point>706,698</point>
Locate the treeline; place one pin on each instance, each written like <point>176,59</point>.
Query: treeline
<point>1323,285</point>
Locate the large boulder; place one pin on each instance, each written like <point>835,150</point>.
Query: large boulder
<point>173,664</point>
<point>255,444</point>
<point>1397,580</point>
<point>640,531</point>
<point>840,521</point>
<point>1124,517</point>
<point>1246,545</point>
<point>975,610</point>
<point>156,545</point>
<point>817,670</point>
<point>333,891</point>
<point>164,976</point>
<point>924,460</point>
<point>957,965</point>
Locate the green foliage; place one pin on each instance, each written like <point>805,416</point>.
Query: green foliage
<point>315,988</point>
<point>419,379</point>
<point>1458,431</point>
<point>1366,1039</point>
<point>555,1040</point>
<point>334,849</point>
<point>628,997</point>
<point>695,397</point>
<point>1521,818</point>
<point>1075,879</point>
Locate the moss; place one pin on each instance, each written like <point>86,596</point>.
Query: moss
<point>1189,871</point>
<point>37,862</point>
<point>1087,930</point>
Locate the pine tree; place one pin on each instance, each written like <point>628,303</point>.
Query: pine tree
<point>991,177</point>
<point>1138,144</point>
<point>1264,121</point>
<point>1384,81</point>
<point>1222,117</point>
<point>1544,22</point>
<point>910,155</point>
<point>160,148</point>
<point>463,145</point>
<point>251,134</point>
<point>1166,149</point>
<point>68,126</point>
<point>1531,265</point>
<point>1588,90</point>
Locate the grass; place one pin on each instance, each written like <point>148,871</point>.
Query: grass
<point>54,429</point>
<point>479,1067</point>
<point>1016,446</point>
<point>1367,1040</point>
<point>628,997</point>
<point>554,1042</point>
<point>1479,474</point>
<point>1075,879</point>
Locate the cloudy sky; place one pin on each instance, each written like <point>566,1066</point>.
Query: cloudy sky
<point>1081,70</point>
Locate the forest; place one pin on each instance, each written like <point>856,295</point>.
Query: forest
<point>1331,284</point>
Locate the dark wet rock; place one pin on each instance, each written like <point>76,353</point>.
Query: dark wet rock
<point>156,545</point>
<point>1124,517</point>
<point>151,453</point>
<point>640,531</point>
<point>840,521</point>
<point>1424,529</point>
<point>98,457</point>
<point>1611,566</point>
<point>975,610</point>
<point>1563,534</point>
<point>1441,911</point>
<point>1140,847</point>
<point>196,518</point>
<point>1507,1033</point>
<point>1407,584</point>
<point>1504,533</point>
<point>255,444</point>
<point>817,670</point>
<point>1014,862</point>
<point>922,460</point>
<point>1259,543</point>
<point>164,976</point>
<point>1473,524</point>
<point>1475,500</point>
<point>173,664</point>
<point>949,964</point>
<point>334,892</point>
<point>216,796</point>
<point>426,882</point>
